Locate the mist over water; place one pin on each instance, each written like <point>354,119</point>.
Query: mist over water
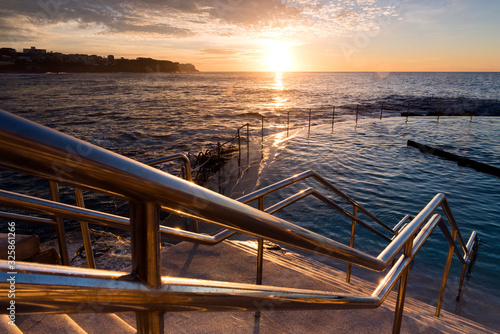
<point>144,116</point>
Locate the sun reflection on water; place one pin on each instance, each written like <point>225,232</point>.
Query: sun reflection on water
<point>278,81</point>
<point>278,84</point>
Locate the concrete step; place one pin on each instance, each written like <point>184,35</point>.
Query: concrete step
<point>235,261</point>
<point>48,324</point>
<point>93,323</point>
<point>6,327</point>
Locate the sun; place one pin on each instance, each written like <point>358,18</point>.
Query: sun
<point>279,57</point>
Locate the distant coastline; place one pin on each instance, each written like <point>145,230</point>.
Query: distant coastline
<point>35,60</point>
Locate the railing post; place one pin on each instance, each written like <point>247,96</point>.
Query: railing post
<point>262,131</point>
<point>381,109</point>
<point>357,111</point>
<point>333,117</point>
<point>351,244</point>
<point>439,110</point>
<point>403,282</point>
<point>87,242</point>
<point>461,284</point>
<point>309,129</point>
<point>146,264</point>
<point>470,257</point>
<point>61,234</point>
<point>451,249</point>
<point>219,165</point>
<point>288,124</point>
<point>248,143</point>
<point>472,112</point>
<point>239,148</point>
<point>407,111</point>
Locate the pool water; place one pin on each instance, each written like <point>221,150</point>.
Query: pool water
<point>372,164</point>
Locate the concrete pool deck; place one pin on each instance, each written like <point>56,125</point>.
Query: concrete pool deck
<point>235,261</point>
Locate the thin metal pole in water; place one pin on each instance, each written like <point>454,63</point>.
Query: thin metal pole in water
<point>381,109</point>
<point>288,124</point>
<point>357,111</point>
<point>61,234</point>
<point>407,112</point>
<point>239,148</point>
<point>333,117</point>
<point>464,267</point>
<point>262,131</point>
<point>309,130</point>
<point>219,165</point>
<point>248,143</point>
<point>351,244</point>
<point>87,242</point>
<point>262,140</point>
<point>472,112</point>
<point>439,110</point>
<point>451,249</point>
<point>403,282</point>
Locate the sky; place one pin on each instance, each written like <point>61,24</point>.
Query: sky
<point>266,35</point>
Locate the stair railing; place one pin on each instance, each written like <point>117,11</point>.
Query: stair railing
<point>33,149</point>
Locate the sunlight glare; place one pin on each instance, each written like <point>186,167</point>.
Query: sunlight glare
<point>279,58</point>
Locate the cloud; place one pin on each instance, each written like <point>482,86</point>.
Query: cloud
<point>220,51</point>
<point>183,18</point>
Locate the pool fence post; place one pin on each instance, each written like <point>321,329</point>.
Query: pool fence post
<point>262,131</point>
<point>439,110</point>
<point>219,165</point>
<point>407,111</point>
<point>333,117</point>
<point>248,143</point>
<point>309,129</point>
<point>239,148</point>
<point>288,124</point>
<point>472,112</point>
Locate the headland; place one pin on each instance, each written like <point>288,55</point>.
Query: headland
<point>35,60</point>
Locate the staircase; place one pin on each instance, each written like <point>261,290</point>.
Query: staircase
<point>177,291</point>
<point>235,261</point>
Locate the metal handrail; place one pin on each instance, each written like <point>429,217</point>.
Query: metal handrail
<point>36,150</point>
<point>183,157</point>
<point>30,203</point>
<point>53,283</point>
<point>302,176</point>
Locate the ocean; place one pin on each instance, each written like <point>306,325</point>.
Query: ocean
<point>144,116</point>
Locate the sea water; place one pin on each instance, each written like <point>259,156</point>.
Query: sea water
<point>371,163</point>
<point>144,116</point>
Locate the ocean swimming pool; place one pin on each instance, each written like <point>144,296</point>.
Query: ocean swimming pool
<point>372,164</point>
<point>144,116</point>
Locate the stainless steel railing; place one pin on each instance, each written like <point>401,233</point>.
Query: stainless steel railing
<point>32,149</point>
<point>56,221</point>
<point>260,194</point>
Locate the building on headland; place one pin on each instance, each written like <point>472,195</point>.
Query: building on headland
<point>35,60</point>
<point>34,52</point>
